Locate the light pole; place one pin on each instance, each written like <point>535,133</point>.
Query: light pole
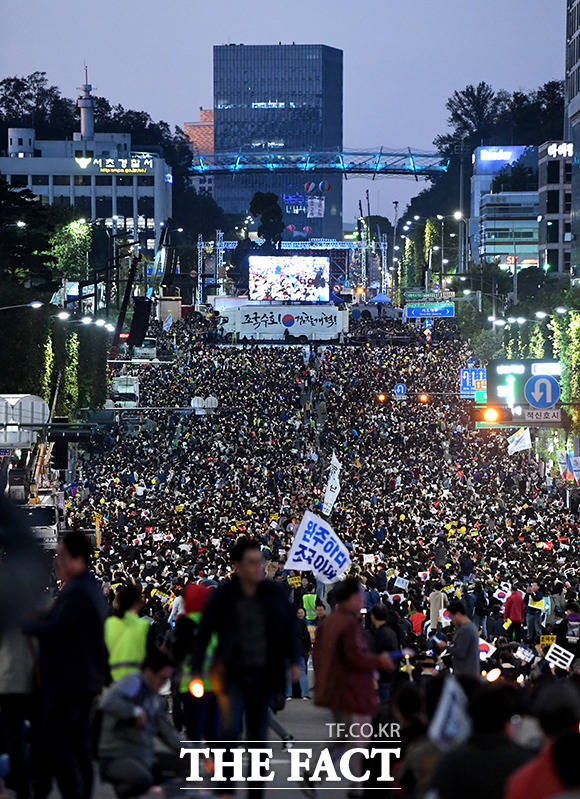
<point>34,304</point>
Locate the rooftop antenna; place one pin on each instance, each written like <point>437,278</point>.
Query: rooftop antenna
<point>86,104</point>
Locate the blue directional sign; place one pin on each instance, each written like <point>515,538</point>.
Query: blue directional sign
<point>427,324</point>
<point>542,391</point>
<point>400,389</point>
<point>430,309</point>
<point>472,380</point>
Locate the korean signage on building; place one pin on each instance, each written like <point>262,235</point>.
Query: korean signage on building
<point>560,149</point>
<point>131,165</point>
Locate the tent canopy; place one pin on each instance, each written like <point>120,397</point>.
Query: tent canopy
<point>381,298</point>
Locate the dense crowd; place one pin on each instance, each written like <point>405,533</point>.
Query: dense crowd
<point>446,532</point>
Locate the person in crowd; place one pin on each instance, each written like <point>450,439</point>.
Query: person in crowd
<point>126,633</point>
<point>382,638</point>
<point>132,720</point>
<point>437,603</point>
<point>465,647</point>
<point>557,708</point>
<point>304,647</point>
<point>481,766</point>
<point>73,669</point>
<point>534,610</point>
<point>256,637</point>
<point>514,612</point>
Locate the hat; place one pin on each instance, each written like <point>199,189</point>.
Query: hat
<point>195,597</point>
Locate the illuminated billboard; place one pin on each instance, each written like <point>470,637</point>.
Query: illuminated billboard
<point>289,278</point>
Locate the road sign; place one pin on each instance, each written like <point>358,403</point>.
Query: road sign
<point>4,452</point>
<point>542,415</point>
<point>429,309</point>
<point>506,379</point>
<point>427,323</point>
<point>542,391</point>
<point>470,381</point>
<point>400,389</point>
<point>424,296</point>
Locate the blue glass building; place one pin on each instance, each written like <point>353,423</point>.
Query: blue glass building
<point>273,97</point>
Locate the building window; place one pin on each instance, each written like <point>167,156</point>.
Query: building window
<point>124,180</point>
<point>19,180</point>
<point>553,231</point>
<point>84,154</point>
<point>61,180</point>
<point>567,202</point>
<point>103,180</point>
<point>553,204</point>
<point>568,169</point>
<point>125,206</point>
<point>567,259</point>
<point>84,205</point>
<point>20,142</point>
<point>552,260</point>
<point>145,180</point>
<point>82,180</point>
<point>553,171</point>
<point>104,207</point>
<point>40,180</point>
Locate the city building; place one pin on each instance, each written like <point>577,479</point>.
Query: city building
<point>201,136</point>
<point>555,201</point>
<point>281,97</point>
<point>99,173</point>
<point>573,125</point>
<point>508,231</point>
<point>487,162</point>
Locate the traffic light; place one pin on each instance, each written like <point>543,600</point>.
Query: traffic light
<point>492,414</point>
<point>381,397</point>
<point>423,398</point>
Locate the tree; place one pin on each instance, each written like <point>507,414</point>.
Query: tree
<point>69,248</point>
<point>267,207</point>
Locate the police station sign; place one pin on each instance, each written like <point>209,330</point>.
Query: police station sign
<point>130,165</point>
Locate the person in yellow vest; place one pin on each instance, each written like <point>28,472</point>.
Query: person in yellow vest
<point>126,634</point>
<point>309,602</point>
<point>200,713</point>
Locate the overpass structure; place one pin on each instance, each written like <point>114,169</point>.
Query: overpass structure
<point>405,163</point>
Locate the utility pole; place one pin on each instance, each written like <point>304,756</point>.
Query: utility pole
<point>199,269</point>
<point>384,245</point>
<point>515,289</point>
<point>441,286</point>
<point>219,258</point>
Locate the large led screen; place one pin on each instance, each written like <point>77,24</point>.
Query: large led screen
<point>289,278</point>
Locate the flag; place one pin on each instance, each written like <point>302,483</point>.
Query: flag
<point>562,456</point>
<point>519,441</point>
<point>574,465</point>
<point>168,321</point>
<point>318,549</point>
<point>332,487</point>
<point>451,723</point>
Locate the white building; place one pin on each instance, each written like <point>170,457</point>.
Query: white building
<point>98,173</point>
<point>555,190</point>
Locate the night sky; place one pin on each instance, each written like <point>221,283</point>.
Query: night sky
<point>401,59</point>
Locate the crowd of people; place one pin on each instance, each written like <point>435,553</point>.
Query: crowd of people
<point>462,559</point>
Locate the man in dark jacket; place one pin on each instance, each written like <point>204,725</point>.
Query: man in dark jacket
<point>382,638</point>
<point>256,632</point>
<point>73,670</point>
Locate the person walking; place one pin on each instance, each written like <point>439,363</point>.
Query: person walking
<point>304,647</point>
<point>73,669</point>
<point>255,626</point>
<point>437,602</point>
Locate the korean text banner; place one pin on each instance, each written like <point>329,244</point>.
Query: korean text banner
<point>318,549</point>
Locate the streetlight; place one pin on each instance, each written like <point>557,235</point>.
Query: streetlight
<point>86,320</point>
<point>457,215</point>
<point>100,323</point>
<point>541,314</point>
<point>109,327</point>
<point>561,310</point>
<point>20,223</point>
<point>499,322</point>
<point>63,315</point>
<point>34,304</point>
<point>520,320</point>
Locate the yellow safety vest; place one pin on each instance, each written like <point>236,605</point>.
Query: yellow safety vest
<point>126,640</point>
<point>309,604</point>
<point>186,671</point>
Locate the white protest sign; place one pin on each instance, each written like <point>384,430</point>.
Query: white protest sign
<point>368,558</point>
<point>318,549</point>
<point>158,536</point>
<point>525,654</point>
<point>401,583</point>
<point>558,656</point>
<point>332,487</point>
<point>216,542</point>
